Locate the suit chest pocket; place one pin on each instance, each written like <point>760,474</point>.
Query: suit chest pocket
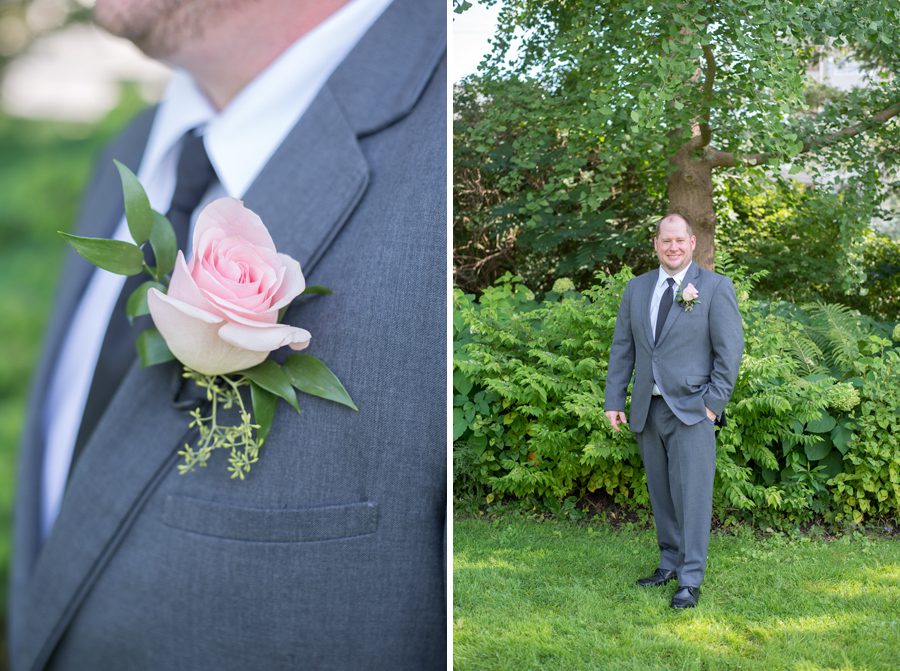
<point>298,525</point>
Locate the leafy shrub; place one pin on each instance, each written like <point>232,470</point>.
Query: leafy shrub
<point>812,426</point>
<point>531,423</point>
<point>814,243</point>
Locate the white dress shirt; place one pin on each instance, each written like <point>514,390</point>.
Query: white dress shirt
<point>661,287</point>
<point>239,141</point>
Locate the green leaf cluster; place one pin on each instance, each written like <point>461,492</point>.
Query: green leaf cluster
<point>127,258</point>
<point>266,383</point>
<point>527,378</point>
<point>812,424</point>
<point>565,140</point>
<point>815,244</point>
<point>145,225</point>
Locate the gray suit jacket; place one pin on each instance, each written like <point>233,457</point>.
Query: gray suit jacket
<point>694,364</point>
<point>331,554</point>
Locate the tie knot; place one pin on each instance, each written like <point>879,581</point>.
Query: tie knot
<point>194,174</point>
<point>670,281</point>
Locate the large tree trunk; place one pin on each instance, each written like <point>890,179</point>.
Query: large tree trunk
<point>690,195</point>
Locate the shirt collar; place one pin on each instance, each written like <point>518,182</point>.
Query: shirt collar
<point>679,276</point>
<point>242,137</point>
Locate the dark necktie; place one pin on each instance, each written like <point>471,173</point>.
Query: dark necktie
<point>665,304</point>
<point>193,177</point>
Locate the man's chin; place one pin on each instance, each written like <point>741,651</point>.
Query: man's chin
<point>148,25</point>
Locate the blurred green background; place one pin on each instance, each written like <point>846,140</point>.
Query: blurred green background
<point>44,167</point>
<point>66,88</point>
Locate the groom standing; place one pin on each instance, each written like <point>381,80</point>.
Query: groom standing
<point>328,119</point>
<point>679,331</point>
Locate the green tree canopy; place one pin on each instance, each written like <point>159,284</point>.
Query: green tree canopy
<point>582,102</point>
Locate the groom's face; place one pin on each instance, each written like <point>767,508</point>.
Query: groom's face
<point>674,245</point>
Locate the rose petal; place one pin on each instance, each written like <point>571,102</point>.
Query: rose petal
<point>193,336</point>
<point>234,220</point>
<point>234,313</point>
<point>264,338</point>
<point>292,285</point>
<point>182,287</point>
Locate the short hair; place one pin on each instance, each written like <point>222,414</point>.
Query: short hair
<point>673,216</point>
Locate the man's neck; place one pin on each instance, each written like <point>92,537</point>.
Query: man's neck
<point>241,45</point>
<point>666,271</point>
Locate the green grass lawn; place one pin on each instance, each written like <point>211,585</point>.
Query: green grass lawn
<point>559,595</point>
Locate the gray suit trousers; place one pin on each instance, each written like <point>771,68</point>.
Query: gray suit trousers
<point>680,461</point>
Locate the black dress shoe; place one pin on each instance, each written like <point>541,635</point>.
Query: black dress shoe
<point>660,577</point>
<point>686,597</point>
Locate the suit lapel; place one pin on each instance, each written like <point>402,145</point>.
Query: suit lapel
<point>677,310</point>
<point>305,203</point>
<point>132,448</point>
<point>305,194</point>
<point>645,299</point>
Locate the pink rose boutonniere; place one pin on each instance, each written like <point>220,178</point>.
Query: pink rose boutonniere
<point>218,314</point>
<point>688,297</point>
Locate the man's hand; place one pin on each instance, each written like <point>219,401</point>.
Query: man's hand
<point>709,413</point>
<point>616,417</point>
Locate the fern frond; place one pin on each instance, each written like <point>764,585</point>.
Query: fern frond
<point>836,330</point>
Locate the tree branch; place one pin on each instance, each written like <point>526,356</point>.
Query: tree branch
<point>724,159</point>
<point>719,159</point>
<point>709,78</point>
<point>877,119</point>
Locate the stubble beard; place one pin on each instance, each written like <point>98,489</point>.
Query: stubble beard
<point>159,28</point>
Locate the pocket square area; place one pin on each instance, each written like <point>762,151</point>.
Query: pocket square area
<point>278,525</point>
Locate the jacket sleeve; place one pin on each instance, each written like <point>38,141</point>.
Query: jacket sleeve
<point>727,336</point>
<point>621,355</point>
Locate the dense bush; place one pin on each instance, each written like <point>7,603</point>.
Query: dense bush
<point>815,244</point>
<point>813,422</point>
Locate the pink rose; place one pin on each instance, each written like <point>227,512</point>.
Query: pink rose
<point>221,311</point>
<point>690,292</point>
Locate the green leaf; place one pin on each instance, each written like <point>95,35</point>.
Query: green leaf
<point>840,436</point>
<point>270,376</point>
<point>116,256</point>
<point>461,383</point>
<point>164,244</point>
<point>318,290</point>
<point>459,423</point>
<point>137,207</point>
<point>263,409</point>
<point>312,376</point>
<point>817,451</point>
<point>833,463</point>
<point>152,349</point>
<point>822,424</point>
<point>137,301</point>
<point>794,148</point>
